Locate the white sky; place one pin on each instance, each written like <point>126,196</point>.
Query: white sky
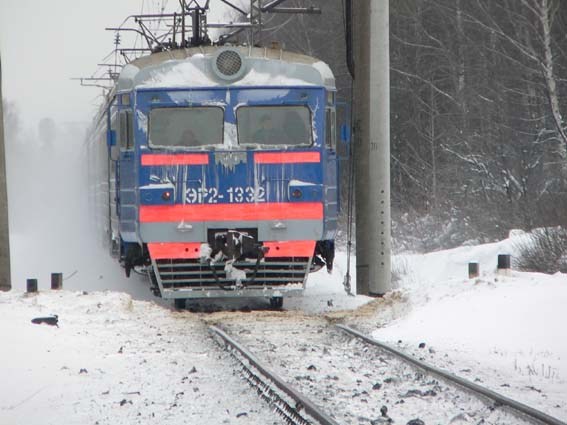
<point>45,43</point>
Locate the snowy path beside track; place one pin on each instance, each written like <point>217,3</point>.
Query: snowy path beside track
<point>115,361</point>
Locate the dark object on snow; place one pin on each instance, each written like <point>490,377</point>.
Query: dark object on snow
<point>504,261</point>
<point>83,370</point>
<point>329,303</point>
<point>473,270</point>
<point>385,419</point>
<point>422,345</point>
<point>419,393</point>
<point>50,320</point>
<point>416,422</point>
<point>241,414</point>
<point>193,370</point>
<point>377,386</point>
<point>56,281</point>
<point>381,421</point>
<point>31,286</point>
<point>311,367</point>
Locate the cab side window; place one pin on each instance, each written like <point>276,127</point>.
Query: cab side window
<point>125,136</point>
<point>331,128</point>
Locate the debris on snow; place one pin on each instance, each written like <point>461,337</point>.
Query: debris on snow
<point>50,320</point>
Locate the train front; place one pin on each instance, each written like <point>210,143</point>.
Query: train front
<point>235,170</point>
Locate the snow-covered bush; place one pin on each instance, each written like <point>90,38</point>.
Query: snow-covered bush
<point>415,233</point>
<point>545,251</point>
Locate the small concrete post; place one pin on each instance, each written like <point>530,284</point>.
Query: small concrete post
<point>473,270</point>
<point>31,286</point>
<point>504,262</point>
<point>56,281</point>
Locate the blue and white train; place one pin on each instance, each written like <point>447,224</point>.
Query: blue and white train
<point>215,169</point>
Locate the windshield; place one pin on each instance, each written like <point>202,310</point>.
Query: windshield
<point>274,125</point>
<point>186,127</point>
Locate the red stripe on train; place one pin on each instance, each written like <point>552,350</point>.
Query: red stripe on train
<point>232,212</point>
<point>286,157</point>
<point>290,249</point>
<point>160,250</point>
<point>175,159</point>
<point>192,250</point>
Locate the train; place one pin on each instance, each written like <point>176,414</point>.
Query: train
<point>214,170</point>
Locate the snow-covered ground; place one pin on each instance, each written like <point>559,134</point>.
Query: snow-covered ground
<point>113,360</point>
<point>504,331</point>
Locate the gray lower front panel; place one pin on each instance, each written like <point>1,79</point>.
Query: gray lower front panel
<point>185,278</point>
<point>269,230</point>
<point>238,293</point>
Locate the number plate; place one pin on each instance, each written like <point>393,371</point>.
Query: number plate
<point>233,195</point>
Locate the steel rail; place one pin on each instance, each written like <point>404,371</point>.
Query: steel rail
<point>310,408</point>
<point>492,395</point>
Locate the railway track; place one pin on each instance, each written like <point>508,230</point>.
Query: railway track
<point>499,400</point>
<point>286,401</point>
<point>358,380</point>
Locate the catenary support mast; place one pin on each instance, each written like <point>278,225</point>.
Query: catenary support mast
<point>372,139</point>
<point>5,284</point>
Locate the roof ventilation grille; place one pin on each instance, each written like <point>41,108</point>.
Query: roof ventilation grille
<point>228,64</point>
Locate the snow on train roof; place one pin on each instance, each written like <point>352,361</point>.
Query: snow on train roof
<point>194,67</point>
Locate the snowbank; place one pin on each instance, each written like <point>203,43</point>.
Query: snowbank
<point>506,330</point>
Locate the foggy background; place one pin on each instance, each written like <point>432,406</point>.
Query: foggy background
<point>51,227</point>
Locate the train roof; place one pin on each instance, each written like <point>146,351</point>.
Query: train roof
<point>213,66</point>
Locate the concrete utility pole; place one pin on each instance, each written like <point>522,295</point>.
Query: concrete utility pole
<point>5,282</point>
<point>372,149</point>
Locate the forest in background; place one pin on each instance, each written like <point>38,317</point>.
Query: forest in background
<point>478,95</point>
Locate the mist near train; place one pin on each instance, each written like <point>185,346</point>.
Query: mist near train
<point>52,227</point>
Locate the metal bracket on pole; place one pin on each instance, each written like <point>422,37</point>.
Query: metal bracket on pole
<point>305,10</point>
